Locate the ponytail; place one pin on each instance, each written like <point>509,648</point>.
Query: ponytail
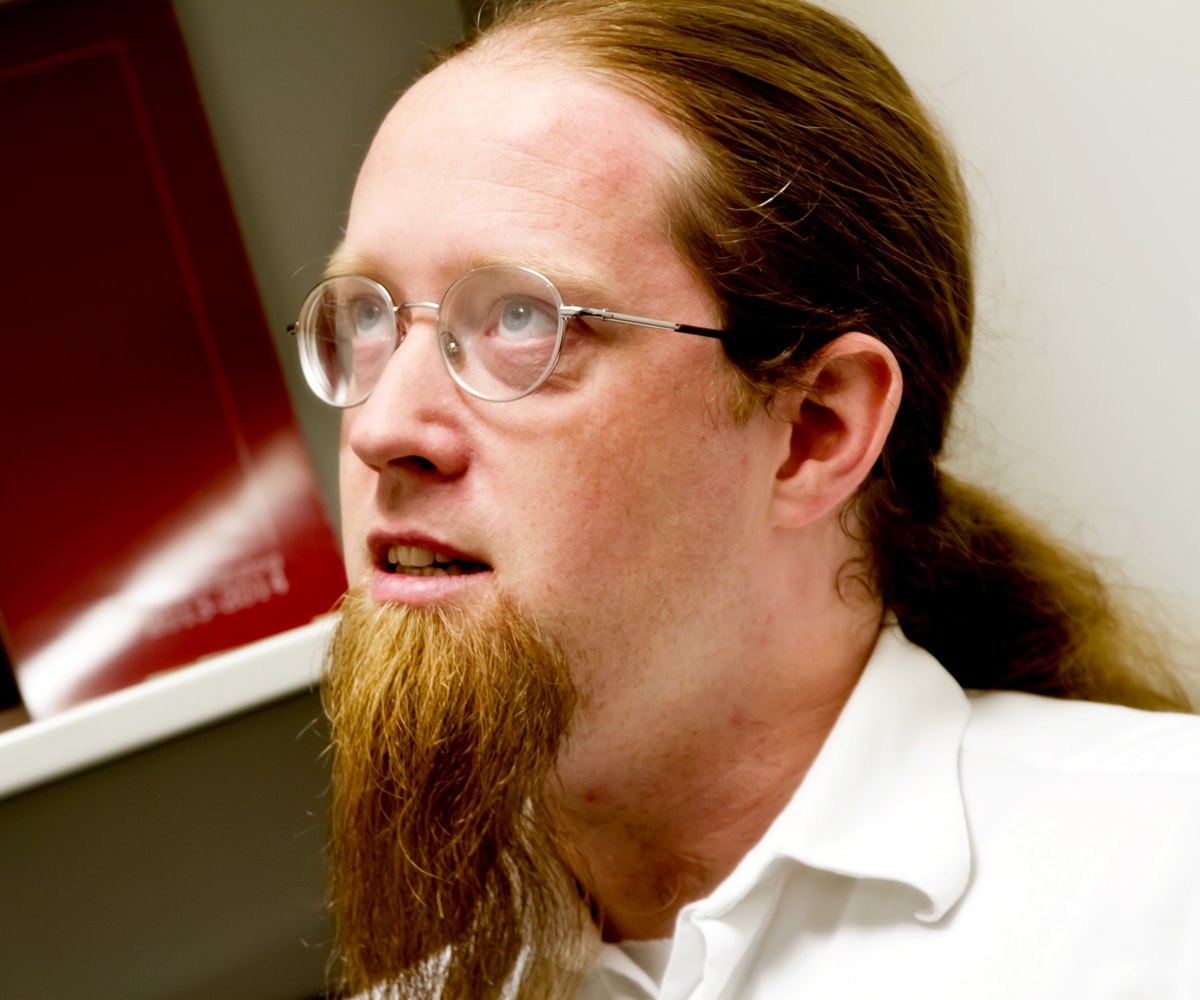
<point>1003,606</point>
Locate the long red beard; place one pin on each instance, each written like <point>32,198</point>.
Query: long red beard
<point>446,876</point>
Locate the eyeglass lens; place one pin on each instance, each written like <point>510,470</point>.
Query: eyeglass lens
<point>498,330</point>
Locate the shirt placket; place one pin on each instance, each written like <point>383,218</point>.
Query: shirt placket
<point>714,944</point>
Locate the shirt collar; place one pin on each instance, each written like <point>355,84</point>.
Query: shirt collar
<point>882,800</point>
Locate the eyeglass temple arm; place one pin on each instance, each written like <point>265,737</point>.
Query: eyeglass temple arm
<point>608,315</point>
<point>658,324</point>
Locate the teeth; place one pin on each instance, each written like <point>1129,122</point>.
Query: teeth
<point>410,555</point>
<point>452,570</point>
<point>412,560</point>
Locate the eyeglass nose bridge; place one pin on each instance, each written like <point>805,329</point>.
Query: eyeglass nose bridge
<point>401,328</point>
<point>404,307</point>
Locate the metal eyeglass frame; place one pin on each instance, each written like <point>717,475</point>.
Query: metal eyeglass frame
<point>565,313</point>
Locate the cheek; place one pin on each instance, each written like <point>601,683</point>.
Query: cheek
<point>642,553</point>
<point>641,501</point>
<point>356,490</point>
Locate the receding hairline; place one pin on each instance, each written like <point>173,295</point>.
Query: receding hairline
<point>681,166</point>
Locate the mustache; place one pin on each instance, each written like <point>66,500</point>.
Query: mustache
<point>446,874</point>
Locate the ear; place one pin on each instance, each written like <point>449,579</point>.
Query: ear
<point>839,423</point>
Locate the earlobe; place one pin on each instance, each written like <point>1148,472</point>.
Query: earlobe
<point>839,423</point>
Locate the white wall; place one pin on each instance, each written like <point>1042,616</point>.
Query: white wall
<point>1079,124</point>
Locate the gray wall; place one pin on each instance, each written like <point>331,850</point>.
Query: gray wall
<point>293,91</point>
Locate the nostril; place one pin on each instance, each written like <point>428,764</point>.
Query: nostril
<point>415,463</point>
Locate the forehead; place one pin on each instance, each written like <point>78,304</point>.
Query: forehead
<point>492,157</point>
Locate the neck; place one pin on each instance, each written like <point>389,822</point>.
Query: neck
<point>664,828</point>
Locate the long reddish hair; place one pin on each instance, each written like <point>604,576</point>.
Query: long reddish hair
<point>826,200</point>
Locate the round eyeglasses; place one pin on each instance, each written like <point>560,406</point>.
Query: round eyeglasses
<point>499,329</point>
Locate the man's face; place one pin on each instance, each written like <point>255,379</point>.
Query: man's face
<point>617,505</point>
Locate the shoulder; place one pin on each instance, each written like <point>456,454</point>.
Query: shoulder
<point>1083,822</point>
<point>1057,792</point>
<point>1079,783</point>
<point>1078,737</point>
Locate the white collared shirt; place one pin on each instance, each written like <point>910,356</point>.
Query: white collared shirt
<point>951,845</point>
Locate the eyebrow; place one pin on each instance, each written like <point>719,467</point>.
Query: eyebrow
<point>568,276</point>
<point>343,261</point>
<point>573,279</point>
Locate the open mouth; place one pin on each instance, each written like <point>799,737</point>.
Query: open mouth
<point>411,560</point>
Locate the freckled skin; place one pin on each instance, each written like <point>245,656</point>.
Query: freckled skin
<point>610,503</point>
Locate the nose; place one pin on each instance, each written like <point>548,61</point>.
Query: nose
<point>413,420</point>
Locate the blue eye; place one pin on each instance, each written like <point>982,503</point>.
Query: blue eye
<point>522,318</point>
<point>368,317</point>
<point>515,318</point>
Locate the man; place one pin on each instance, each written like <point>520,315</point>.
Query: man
<point>647,322</point>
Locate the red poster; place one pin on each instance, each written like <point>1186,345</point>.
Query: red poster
<point>159,504</point>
